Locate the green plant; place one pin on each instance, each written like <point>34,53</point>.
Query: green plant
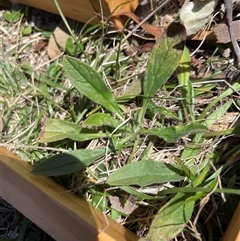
<point>122,129</point>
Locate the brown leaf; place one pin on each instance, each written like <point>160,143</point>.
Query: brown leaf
<point>57,41</point>
<point>151,29</point>
<point>121,205</point>
<point>222,33</point>
<point>225,122</point>
<point>40,45</point>
<point>219,33</point>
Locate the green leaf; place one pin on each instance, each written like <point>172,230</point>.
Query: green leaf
<point>172,134</point>
<point>152,109</point>
<point>184,67</point>
<point>86,80</point>
<point>68,162</point>
<point>162,62</point>
<point>72,48</point>
<point>235,87</point>
<point>27,30</point>
<point>173,216</point>
<point>183,74</point>
<point>102,119</point>
<point>145,173</point>
<point>55,130</point>
<point>12,16</point>
<point>192,150</point>
<point>171,219</point>
<point>131,91</point>
<point>164,59</point>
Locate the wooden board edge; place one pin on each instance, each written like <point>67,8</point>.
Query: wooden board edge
<point>84,11</point>
<point>80,10</point>
<point>233,231</point>
<point>61,214</point>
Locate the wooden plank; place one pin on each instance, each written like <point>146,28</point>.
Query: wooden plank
<point>84,10</point>
<point>81,10</point>
<point>233,230</point>
<point>61,214</point>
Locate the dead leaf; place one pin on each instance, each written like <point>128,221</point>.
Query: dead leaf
<point>222,33</point>
<point>123,206</point>
<point>151,29</point>
<point>219,33</point>
<point>40,45</point>
<point>57,41</point>
<point>225,121</point>
<point>203,34</point>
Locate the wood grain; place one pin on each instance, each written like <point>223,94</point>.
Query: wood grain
<point>84,10</point>
<point>61,214</point>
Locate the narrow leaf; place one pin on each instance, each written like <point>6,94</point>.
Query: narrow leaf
<point>145,173</point>
<point>153,109</point>
<point>86,80</point>
<point>69,162</point>
<point>191,151</point>
<point>172,134</point>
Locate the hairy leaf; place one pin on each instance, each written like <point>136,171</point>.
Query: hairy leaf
<point>162,62</point>
<point>144,173</point>
<point>171,219</point>
<point>164,59</point>
<point>86,80</point>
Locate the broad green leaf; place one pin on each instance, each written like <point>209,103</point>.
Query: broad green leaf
<point>12,16</point>
<point>86,80</point>
<point>102,119</point>
<point>55,130</point>
<point>171,219</point>
<point>164,59</point>
<point>145,173</point>
<point>172,134</point>
<point>175,214</point>
<point>162,62</point>
<point>68,162</point>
